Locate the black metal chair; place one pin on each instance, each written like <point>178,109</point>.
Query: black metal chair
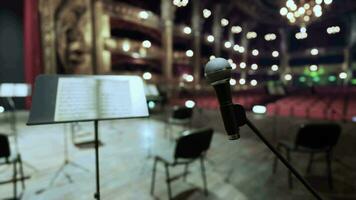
<point>190,147</point>
<point>7,159</point>
<point>180,115</point>
<point>312,139</point>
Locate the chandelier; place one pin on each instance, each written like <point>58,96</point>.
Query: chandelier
<point>302,12</point>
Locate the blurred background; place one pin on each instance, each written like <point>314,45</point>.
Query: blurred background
<point>293,65</point>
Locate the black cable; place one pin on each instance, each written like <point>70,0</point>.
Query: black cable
<point>284,161</point>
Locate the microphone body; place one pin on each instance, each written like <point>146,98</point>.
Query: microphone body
<point>218,73</point>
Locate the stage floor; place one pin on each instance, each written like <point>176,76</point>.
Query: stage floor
<point>239,169</point>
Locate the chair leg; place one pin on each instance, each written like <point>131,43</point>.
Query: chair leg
<point>290,180</point>
<point>275,163</point>
<point>22,174</point>
<point>329,171</point>
<point>310,162</point>
<point>153,179</point>
<point>168,181</point>
<point>185,171</point>
<point>15,179</point>
<point>203,175</point>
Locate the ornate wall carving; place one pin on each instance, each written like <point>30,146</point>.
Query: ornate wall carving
<point>66,30</point>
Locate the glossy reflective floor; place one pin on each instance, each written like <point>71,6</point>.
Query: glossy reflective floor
<point>235,169</point>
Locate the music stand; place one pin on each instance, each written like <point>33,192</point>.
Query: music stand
<point>66,99</point>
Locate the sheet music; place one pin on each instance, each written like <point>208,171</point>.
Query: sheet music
<point>114,98</point>
<point>76,99</point>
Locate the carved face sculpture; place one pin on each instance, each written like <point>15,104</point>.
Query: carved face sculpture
<point>73,36</point>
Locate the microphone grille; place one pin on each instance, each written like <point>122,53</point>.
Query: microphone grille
<point>218,70</point>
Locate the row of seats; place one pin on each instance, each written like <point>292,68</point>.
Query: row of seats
<point>336,107</point>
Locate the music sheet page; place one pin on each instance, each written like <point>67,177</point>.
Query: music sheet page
<point>114,98</point>
<point>76,99</point>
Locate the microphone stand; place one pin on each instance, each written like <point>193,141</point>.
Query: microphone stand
<point>241,115</point>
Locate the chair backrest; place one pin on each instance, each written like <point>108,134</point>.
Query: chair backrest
<point>182,112</point>
<point>318,136</point>
<point>4,146</point>
<point>194,143</point>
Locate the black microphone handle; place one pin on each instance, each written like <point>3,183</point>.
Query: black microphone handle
<point>284,161</point>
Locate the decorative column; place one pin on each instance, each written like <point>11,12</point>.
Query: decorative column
<point>167,14</point>
<point>217,30</point>
<point>284,57</point>
<point>231,40</point>
<point>196,30</point>
<point>348,51</point>
<point>244,42</point>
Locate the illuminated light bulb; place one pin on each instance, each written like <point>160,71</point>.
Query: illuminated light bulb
<point>303,29</point>
<point>189,53</point>
<point>288,77</point>
<point>187,30</point>
<point>206,13</point>
<point>189,104</point>
<point>306,6</point>
<point>255,52</point>
<point>259,109</point>
<point>211,57</point>
<point>233,66</point>
<point>343,75</point>
<point>293,7</point>
<point>301,11</point>
<point>313,68</point>
<point>224,22</point>
<point>316,8</point>
<point>292,20</point>
<point>210,38</point>
<point>314,52</point>
<point>188,77</point>
<point>328,2</point>
<point>227,44</point>
<point>241,49</point>
<point>253,82</point>
<point>300,35</point>
<point>290,3</point>
<point>232,81</point>
<point>318,1</point>
<point>242,81</point>
<point>126,46</point>
<point>242,65</point>
<point>236,29</point>
<point>143,15</point>
<point>230,61</point>
<point>283,11</point>
<point>147,75</point>
<point>275,54</point>
<point>289,15</point>
<point>296,14</point>
<point>254,66</point>
<point>236,47</point>
<point>151,104</point>
<point>318,14</point>
<point>146,44</point>
<point>2,109</point>
<point>274,68</point>
<point>306,18</point>
<point>251,35</point>
<point>270,36</point>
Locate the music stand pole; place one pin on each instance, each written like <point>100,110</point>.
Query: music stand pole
<point>97,194</point>
<point>281,158</point>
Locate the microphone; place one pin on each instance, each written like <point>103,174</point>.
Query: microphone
<point>218,74</point>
